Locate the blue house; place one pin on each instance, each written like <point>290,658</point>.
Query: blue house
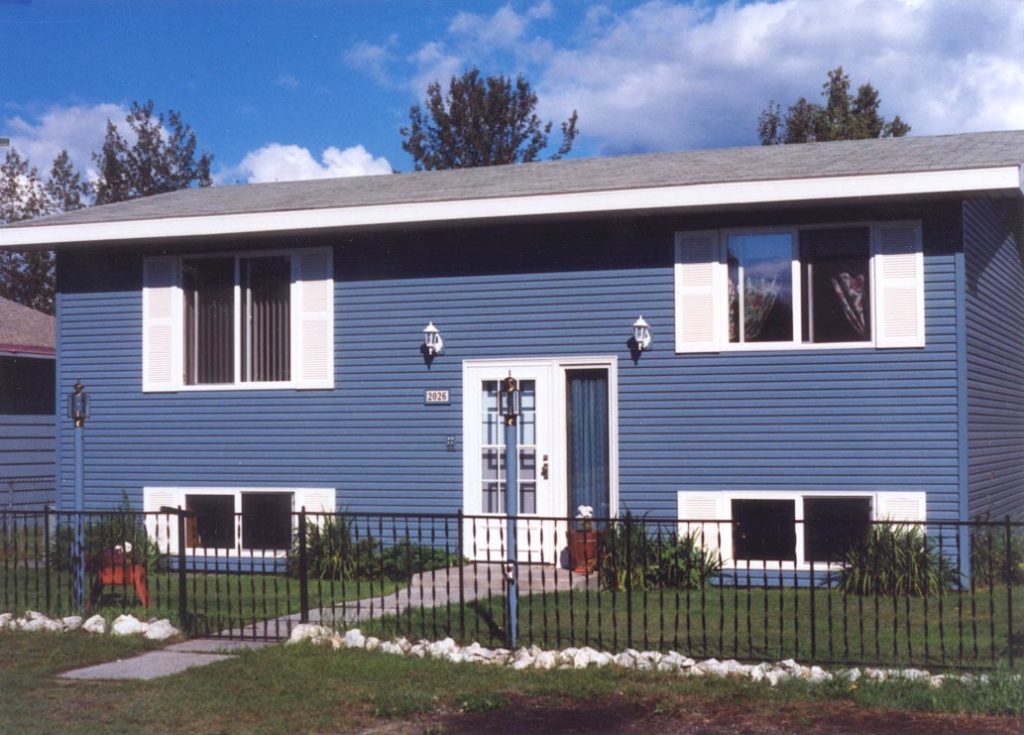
<point>27,428</point>
<point>837,335</point>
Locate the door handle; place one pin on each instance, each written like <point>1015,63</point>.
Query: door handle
<point>544,467</point>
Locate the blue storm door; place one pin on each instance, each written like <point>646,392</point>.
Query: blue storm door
<point>587,440</point>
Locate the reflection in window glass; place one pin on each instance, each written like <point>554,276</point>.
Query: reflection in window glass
<point>833,526</point>
<point>764,530</point>
<point>492,450</point>
<point>836,285</point>
<point>760,287</point>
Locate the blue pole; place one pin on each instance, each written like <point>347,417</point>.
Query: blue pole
<point>511,511</point>
<point>79,555</point>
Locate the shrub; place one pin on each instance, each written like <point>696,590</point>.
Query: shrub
<point>896,560</point>
<point>654,561</point>
<point>989,552</point>
<point>335,551</point>
<point>102,533</point>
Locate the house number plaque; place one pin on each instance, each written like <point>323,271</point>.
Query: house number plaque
<point>437,397</point>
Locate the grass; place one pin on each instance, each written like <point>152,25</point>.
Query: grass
<point>972,629</point>
<point>215,601</point>
<point>305,689</point>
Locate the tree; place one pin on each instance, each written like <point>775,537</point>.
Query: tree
<point>841,117</point>
<point>25,277</point>
<point>162,158</point>
<point>480,122</point>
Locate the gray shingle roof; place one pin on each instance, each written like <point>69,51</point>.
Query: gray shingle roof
<point>757,163</point>
<point>25,330</point>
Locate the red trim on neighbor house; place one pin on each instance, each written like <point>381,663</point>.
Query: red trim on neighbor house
<point>27,350</point>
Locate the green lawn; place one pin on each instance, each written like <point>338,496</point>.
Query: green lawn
<point>215,601</point>
<point>304,689</point>
<point>956,630</point>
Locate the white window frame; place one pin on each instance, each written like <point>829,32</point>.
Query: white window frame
<point>721,286</point>
<point>723,512</point>
<point>305,497</point>
<point>295,361</point>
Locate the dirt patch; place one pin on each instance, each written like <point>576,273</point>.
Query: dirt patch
<point>619,715</point>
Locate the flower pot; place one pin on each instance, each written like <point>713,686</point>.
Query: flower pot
<point>583,550</point>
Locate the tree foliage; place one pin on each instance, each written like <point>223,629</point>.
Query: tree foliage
<point>480,121</point>
<point>162,158</point>
<point>841,116</point>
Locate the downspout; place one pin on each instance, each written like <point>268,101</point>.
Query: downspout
<point>963,477</point>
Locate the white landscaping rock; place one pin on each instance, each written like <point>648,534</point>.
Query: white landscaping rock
<point>127,625</point>
<point>95,624</point>
<point>372,644</point>
<point>161,630</point>
<point>355,639</point>
<point>309,632</point>
<point>72,622</point>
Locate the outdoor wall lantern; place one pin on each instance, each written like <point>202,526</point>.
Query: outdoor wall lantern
<point>642,334</point>
<point>78,406</point>
<point>509,400</point>
<point>432,342</point>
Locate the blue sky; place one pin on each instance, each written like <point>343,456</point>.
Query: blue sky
<point>298,89</point>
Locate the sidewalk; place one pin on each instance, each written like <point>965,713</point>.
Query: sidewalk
<point>174,659</point>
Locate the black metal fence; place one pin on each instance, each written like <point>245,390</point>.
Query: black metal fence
<point>938,594</point>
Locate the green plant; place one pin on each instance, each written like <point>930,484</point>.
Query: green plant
<point>897,560</point>
<point>124,528</point>
<point>334,550</point>
<point>996,559</point>
<point>680,561</point>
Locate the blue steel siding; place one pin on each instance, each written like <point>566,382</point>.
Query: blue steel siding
<point>995,358</point>
<point>26,451</point>
<point>808,420</point>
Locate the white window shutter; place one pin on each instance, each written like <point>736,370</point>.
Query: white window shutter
<point>161,318</point>
<point>700,301</point>
<point>901,506</point>
<point>698,506</point>
<point>313,319</point>
<point>162,527</point>
<point>898,285</point>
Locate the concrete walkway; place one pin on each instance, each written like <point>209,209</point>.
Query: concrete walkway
<point>431,591</point>
<point>171,660</point>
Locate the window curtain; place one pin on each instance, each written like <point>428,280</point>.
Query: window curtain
<point>587,394</point>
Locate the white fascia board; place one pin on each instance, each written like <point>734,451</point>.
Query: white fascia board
<point>647,199</point>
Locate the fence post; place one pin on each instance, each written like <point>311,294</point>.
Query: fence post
<point>1009,589</point>
<point>182,580</point>
<point>462,581</point>
<point>629,579</point>
<point>46,553</point>
<point>303,576</point>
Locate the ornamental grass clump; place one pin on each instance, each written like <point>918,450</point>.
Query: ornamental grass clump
<point>897,559</point>
<point>122,531</point>
<point>655,561</point>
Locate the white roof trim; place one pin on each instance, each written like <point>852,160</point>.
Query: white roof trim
<point>653,198</point>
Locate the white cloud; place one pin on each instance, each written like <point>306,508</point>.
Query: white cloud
<point>288,81</point>
<point>671,75</point>
<point>277,162</point>
<point>78,129</point>
<point>667,75</point>
<point>373,59</point>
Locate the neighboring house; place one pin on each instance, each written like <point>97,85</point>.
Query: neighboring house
<point>837,336</point>
<point>27,431</point>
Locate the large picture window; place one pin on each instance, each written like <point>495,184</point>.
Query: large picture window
<point>800,287</point>
<point>254,320</point>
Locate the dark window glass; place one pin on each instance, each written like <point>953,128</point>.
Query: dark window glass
<point>26,385</point>
<point>764,530</point>
<point>209,290</point>
<point>213,524</point>
<point>266,318</point>
<point>836,286</point>
<point>266,521</point>
<point>832,526</point>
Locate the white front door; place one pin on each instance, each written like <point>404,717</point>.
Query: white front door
<point>568,452</point>
<point>539,486</point>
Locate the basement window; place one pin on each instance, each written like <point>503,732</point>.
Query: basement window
<point>833,526</point>
<point>764,530</point>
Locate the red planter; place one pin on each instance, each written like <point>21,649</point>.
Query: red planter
<point>583,549</point>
